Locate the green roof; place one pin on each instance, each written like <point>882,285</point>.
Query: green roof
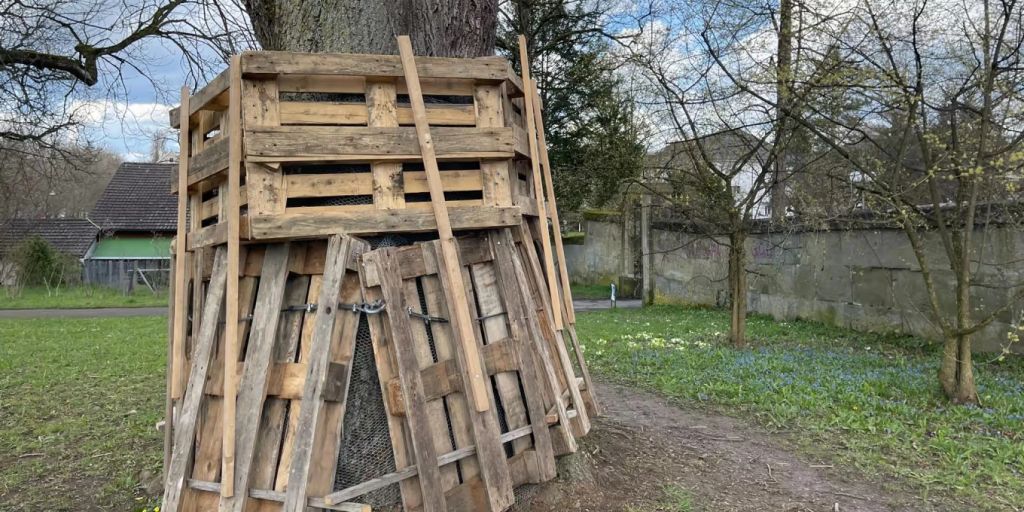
<point>133,248</point>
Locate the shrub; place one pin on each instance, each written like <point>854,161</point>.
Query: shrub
<point>40,264</point>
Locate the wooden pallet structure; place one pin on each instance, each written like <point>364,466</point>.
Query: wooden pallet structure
<point>369,307</point>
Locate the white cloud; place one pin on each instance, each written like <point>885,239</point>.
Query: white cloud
<point>126,128</point>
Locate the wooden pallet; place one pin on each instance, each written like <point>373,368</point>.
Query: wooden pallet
<point>481,378</point>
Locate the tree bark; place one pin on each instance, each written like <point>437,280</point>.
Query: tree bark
<point>443,28</point>
<point>738,287</point>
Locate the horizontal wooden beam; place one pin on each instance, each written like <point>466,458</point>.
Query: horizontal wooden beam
<point>472,250</point>
<point>409,472</point>
<point>325,222</point>
<point>325,113</point>
<point>442,378</point>
<point>348,144</point>
<point>287,379</point>
<point>495,69</point>
<point>210,97</point>
<point>354,184</point>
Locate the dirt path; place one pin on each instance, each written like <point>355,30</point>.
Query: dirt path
<point>644,444</point>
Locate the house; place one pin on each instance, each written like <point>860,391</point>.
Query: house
<point>74,237</point>
<point>137,218</point>
<point>689,167</point>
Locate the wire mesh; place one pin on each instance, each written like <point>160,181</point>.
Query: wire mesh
<point>366,451</point>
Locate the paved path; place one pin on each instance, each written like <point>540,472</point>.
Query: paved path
<point>81,313</point>
<point>594,305</point>
<point>581,305</point>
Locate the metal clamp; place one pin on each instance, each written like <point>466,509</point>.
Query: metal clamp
<point>369,308</point>
<point>426,318</point>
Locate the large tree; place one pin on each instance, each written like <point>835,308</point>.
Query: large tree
<point>444,28</point>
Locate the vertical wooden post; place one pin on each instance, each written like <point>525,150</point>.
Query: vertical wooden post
<point>178,305</point>
<point>180,247</point>
<point>556,225</point>
<point>531,132</point>
<point>452,268</point>
<point>234,128</point>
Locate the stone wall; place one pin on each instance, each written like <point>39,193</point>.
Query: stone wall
<point>867,280</point>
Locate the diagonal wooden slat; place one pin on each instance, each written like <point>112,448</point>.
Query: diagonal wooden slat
<point>504,253</point>
<point>419,423</point>
<point>185,424</point>
<point>252,389</point>
<point>338,251</point>
<point>451,267</point>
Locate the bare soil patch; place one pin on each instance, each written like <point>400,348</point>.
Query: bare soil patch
<point>644,445</point>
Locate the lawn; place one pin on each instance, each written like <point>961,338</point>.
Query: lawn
<point>862,400</point>
<point>591,291</point>
<point>79,297</point>
<point>79,399</point>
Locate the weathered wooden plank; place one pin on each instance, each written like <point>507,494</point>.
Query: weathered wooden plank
<point>505,253</point>
<point>489,114</point>
<point>328,431</point>
<point>494,328</point>
<point>253,384</point>
<point>387,370</point>
<point>415,262</point>
<point>301,354</point>
<point>490,461</point>
<point>549,184</point>
<point>290,225</point>
<point>208,97</point>
<point>357,84</point>
<point>381,109</point>
<point>231,214</point>
<point>211,160</point>
<point>363,184</point>
<point>435,409</point>
<point>354,114</point>
<point>264,183</point>
<point>418,421</point>
<point>338,250</point>
<point>349,143</point>
<point>531,129</point>
<point>450,266</point>
<point>541,338</point>
<point>180,317</point>
<point>185,428</point>
<point>280,63</point>
<point>442,378</point>
<point>287,380</point>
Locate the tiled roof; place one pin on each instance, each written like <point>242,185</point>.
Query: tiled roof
<point>70,236</point>
<point>138,198</point>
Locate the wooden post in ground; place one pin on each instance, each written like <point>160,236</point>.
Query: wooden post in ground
<point>538,185</point>
<point>449,249</point>
<point>234,128</point>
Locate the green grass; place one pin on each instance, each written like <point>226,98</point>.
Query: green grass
<point>870,401</point>
<point>673,499</point>
<point>79,297</point>
<point>79,399</point>
<point>591,291</point>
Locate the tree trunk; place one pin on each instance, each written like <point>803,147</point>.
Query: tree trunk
<point>444,28</point>
<point>738,287</point>
<point>783,78</point>
<point>956,374</point>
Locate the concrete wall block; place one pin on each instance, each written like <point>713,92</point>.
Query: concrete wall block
<point>872,286</point>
